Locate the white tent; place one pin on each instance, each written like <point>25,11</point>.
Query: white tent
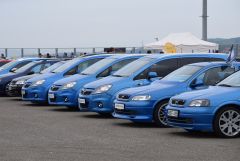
<point>184,43</point>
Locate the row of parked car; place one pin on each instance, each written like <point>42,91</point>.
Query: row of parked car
<point>197,92</point>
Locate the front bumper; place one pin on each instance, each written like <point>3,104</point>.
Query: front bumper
<point>100,103</point>
<point>14,90</point>
<point>192,118</point>
<point>35,94</point>
<point>63,98</point>
<point>137,111</point>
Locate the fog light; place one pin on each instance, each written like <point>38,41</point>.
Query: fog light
<point>66,99</point>
<point>99,105</point>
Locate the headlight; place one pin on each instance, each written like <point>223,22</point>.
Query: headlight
<point>141,98</point>
<point>200,103</point>
<point>102,89</point>
<point>0,80</point>
<point>38,83</point>
<point>69,85</point>
<point>20,82</point>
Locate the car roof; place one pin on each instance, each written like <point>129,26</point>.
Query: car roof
<point>179,55</point>
<point>126,55</point>
<point>212,63</point>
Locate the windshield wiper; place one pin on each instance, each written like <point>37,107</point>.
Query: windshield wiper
<point>117,75</point>
<point>83,74</point>
<point>225,85</point>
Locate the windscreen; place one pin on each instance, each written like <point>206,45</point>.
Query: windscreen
<point>25,67</point>
<point>231,81</point>
<point>182,74</point>
<point>132,67</point>
<point>66,66</point>
<point>95,67</point>
<point>8,65</point>
<point>52,67</point>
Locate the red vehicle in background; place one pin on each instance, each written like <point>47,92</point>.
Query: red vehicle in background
<point>4,61</point>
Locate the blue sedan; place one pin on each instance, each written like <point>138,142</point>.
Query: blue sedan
<point>65,91</point>
<point>147,104</point>
<point>215,109</point>
<point>36,89</point>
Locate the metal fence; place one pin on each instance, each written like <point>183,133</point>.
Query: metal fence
<point>73,52</point>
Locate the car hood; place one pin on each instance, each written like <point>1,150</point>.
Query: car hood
<point>215,93</point>
<point>161,86</point>
<point>75,78</point>
<point>107,80</point>
<point>47,76</point>
<point>26,77</point>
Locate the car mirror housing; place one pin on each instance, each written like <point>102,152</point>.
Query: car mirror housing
<point>152,75</point>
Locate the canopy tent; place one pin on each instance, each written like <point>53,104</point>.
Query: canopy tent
<point>183,43</point>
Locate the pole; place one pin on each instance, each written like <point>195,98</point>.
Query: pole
<point>204,21</point>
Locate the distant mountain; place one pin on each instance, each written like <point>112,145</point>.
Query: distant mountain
<point>222,41</point>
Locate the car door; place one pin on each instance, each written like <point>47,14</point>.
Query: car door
<point>210,77</point>
<point>162,68</point>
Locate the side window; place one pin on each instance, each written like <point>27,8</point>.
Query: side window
<point>185,61</point>
<point>162,68</point>
<point>46,65</point>
<point>36,69</point>
<point>214,59</point>
<point>86,64</point>
<point>115,67</point>
<point>71,71</point>
<point>21,64</point>
<point>213,76</point>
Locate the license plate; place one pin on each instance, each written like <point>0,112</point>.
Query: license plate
<point>173,113</point>
<point>119,106</point>
<point>23,92</point>
<point>51,96</point>
<point>81,101</point>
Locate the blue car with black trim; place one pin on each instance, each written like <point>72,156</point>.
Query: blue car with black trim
<point>148,103</point>
<point>29,69</point>
<point>98,96</point>
<point>36,89</point>
<point>65,91</point>
<point>215,109</point>
<point>16,64</point>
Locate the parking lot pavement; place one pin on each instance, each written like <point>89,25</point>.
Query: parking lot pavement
<point>32,132</point>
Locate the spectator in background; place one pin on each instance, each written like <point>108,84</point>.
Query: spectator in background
<point>48,55</point>
<point>65,55</point>
<point>3,56</point>
<point>161,52</point>
<point>149,52</point>
<point>40,55</point>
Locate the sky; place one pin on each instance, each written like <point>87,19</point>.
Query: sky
<point>104,23</point>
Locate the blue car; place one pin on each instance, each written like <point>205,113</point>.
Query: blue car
<point>36,89</point>
<point>148,103</point>
<point>29,69</point>
<point>215,109</point>
<point>16,64</point>
<point>65,91</point>
<point>98,96</point>
<point>15,86</point>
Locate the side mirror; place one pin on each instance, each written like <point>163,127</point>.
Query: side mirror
<point>196,84</point>
<point>30,73</point>
<point>152,75</point>
<point>13,69</point>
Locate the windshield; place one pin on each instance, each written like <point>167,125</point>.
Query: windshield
<point>65,66</point>
<point>131,68</point>
<point>231,81</point>
<point>182,74</point>
<point>8,65</point>
<point>52,67</point>
<point>25,67</point>
<point>95,67</point>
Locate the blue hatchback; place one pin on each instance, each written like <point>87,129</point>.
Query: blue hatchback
<point>16,64</point>
<point>36,89</point>
<point>147,104</point>
<point>98,96</point>
<point>215,109</point>
<point>65,91</point>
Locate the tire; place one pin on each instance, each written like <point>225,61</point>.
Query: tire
<point>227,122</point>
<point>159,116</point>
<point>105,114</point>
<point>6,89</point>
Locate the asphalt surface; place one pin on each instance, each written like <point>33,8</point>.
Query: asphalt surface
<point>49,133</point>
